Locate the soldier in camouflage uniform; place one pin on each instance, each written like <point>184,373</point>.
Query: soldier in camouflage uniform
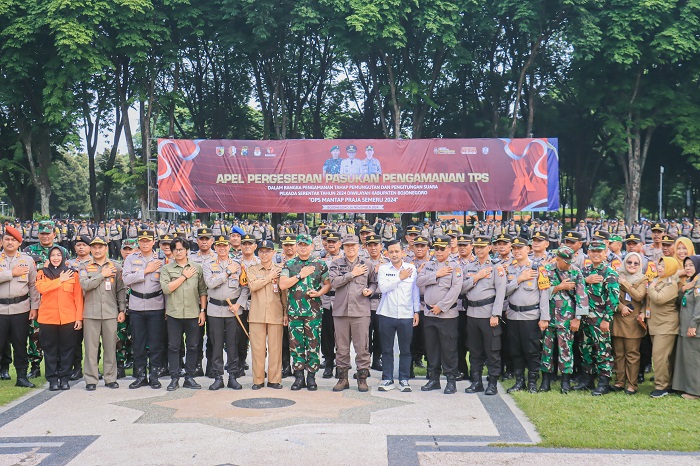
<point>567,304</point>
<point>307,280</point>
<point>603,295</point>
<point>40,253</point>
<point>125,354</point>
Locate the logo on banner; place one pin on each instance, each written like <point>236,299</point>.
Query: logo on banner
<point>257,152</point>
<point>270,152</point>
<point>468,150</point>
<point>485,150</point>
<point>232,151</point>
<point>443,151</point>
<point>244,151</point>
<point>220,151</point>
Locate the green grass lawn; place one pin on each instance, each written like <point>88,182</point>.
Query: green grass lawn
<point>8,391</point>
<point>614,421</point>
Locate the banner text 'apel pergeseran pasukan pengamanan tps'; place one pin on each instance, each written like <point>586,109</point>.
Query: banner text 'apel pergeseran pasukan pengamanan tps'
<point>358,175</point>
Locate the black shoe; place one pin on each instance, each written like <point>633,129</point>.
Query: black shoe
<point>182,372</point>
<point>640,377</point>
<point>477,384</point>
<point>298,380</point>
<point>492,387</point>
<point>23,381</point>
<point>257,386</point>
<point>462,376</point>
<point>276,386</point>
<point>546,385</point>
<point>121,372</point>
<point>239,373</point>
<point>173,385</point>
<point>91,387</point>
<point>77,374</point>
<point>191,383</point>
<point>584,383</point>
<point>162,372</point>
<point>154,382</point>
<point>218,383</point>
<point>565,383</point>
<point>603,386</point>
<point>287,372</point>
<point>419,363</point>
<point>433,382</point>
<point>112,385</point>
<point>451,386</point>
<point>141,378</point>
<point>311,382</point>
<point>616,388</point>
<point>647,368</point>
<point>506,376</point>
<point>198,372</point>
<point>5,374</point>
<point>54,387</point>
<point>532,381</point>
<point>64,385</point>
<point>377,365</point>
<point>519,382</point>
<point>328,371</point>
<point>233,383</point>
<point>245,366</point>
<point>35,372</point>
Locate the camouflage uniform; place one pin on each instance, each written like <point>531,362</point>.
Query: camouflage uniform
<point>305,313</point>
<point>562,309</point>
<point>596,346</point>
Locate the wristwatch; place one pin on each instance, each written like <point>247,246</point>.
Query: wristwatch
<point>298,276</point>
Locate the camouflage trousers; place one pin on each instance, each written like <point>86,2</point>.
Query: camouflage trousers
<point>304,342</point>
<point>596,348</point>
<point>124,350</point>
<point>558,336</point>
<point>34,351</point>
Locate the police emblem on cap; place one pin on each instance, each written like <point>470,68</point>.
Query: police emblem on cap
<point>412,229</point>
<point>351,148</point>
<point>373,239</point>
<point>289,240</point>
<point>333,236</point>
<point>441,241</point>
<point>202,232</point>
<point>518,241</point>
<point>419,240</point>
<point>481,241</point>
<point>166,238</point>
<point>221,240</point>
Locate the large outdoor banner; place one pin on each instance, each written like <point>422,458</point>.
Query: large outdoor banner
<point>358,175</point>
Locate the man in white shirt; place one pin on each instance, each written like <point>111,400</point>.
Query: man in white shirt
<point>351,166</point>
<point>398,313</point>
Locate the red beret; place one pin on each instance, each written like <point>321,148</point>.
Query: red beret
<point>14,232</point>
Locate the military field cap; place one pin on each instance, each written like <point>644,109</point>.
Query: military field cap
<point>452,233</point>
<point>519,242</point>
<point>221,240</point>
<point>464,240</point>
<point>441,241</point>
<point>204,233</point>
<point>566,253</point>
<point>14,232</point>
<point>668,239</point>
<point>351,148</point>
<point>129,243</point>
<point>412,229</point>
<point>482,241</point>
<point>632,237</point>
<point>248,238</point>
<point>601,234</point>
<point>372,239</point>
<point>147,234</point>
<point>658,227</point>
<point>503,237</point>
<point>166,238</point>
<point>418,240</point>
<point>369,148</point>
<point>46,227</point>
<point>289,239</point>
<point>615,238</point>
<point>572,236</point>
<point>332,236</point>
<point>305,239</point>
<point>335,148</point>
<point>351,239</point>
<point>539,235</point>
<point>266,244</point>
<point>597,245</point>
<point>98,240</point>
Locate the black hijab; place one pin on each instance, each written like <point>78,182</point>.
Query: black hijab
<point>52,272</point>
<point>696,262</point>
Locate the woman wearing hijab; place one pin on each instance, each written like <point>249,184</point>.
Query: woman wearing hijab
<point>683,248</point>
<point>60,314</point>
<point>663,323</point>
<point>686,373</point>
<point>627,329</point>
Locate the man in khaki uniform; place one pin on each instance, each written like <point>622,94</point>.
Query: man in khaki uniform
<point>105,302</point>
<point>267,318</point>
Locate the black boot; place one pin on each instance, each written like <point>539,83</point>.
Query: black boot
<point>546,382</point>
<point>298,380</point>
<point>191,383</point>
<point>603,386</point>
<point>311,382</point>
<point>218,383</point>
<point>477,385</point>
<point>77,374</point>
<point>233,383</point>
<point>121,372</point>
<point>141,379</point>
<point>451,386</point>
<point>328,370</point>
<point>5,373</point>
<point>22,380</point>
<point>174,384</point>
<point>377,364</point>
<point>35,372</point>
<point>433,382</point>
<point>519,381</point>
<point>198,372</point>
<point>286,372</point>
<point>584,383</point>
<point>532,381</point>
<point>492,387</point>
<point>153,380</point>
<point>565,383</point>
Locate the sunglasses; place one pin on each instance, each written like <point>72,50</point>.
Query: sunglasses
<point>440,248</point>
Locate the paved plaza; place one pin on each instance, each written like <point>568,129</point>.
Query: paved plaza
<point>270,427</point>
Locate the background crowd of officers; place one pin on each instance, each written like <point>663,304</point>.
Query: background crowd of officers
<point>523,299</point>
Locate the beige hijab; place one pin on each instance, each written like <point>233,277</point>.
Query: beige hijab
<point>632,278</point>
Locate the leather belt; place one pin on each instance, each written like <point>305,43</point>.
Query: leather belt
<point>330,293</point>
<point>217,302</point>
<point>376,296</point>
<point>482,302</point>
<point>531,307</point>
<point>18,299</point>
<point>146,295</point>
<point>463,297</point>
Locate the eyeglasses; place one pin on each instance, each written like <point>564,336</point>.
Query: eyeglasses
<point>179,249</point>
<point>440,248</point>
<point>633,263</point>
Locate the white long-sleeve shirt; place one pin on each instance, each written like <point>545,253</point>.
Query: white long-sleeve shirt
<point>400,298</point>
